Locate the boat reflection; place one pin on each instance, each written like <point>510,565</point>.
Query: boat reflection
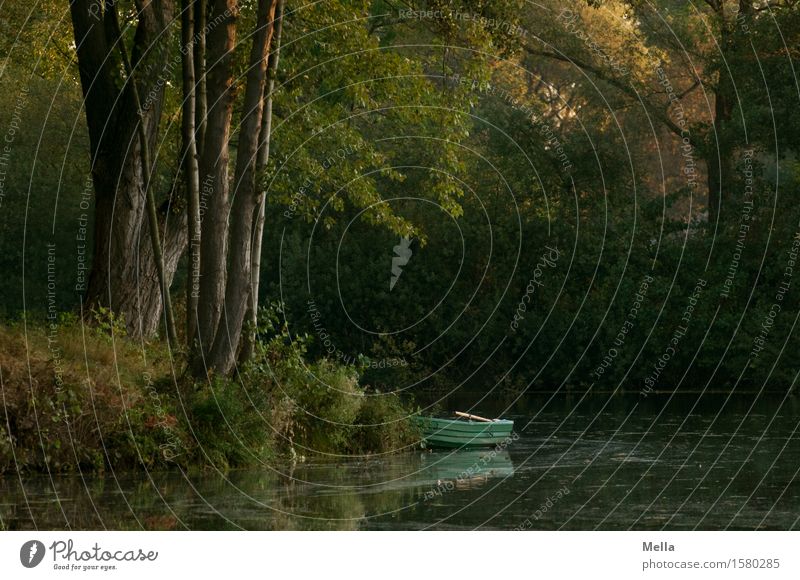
<point>439,471</point>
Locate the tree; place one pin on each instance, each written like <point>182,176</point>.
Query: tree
<point>622,44</point>
<point>189,132</point>
<point>227,230</point>
<point>125,268</point>
<point>262,159</point>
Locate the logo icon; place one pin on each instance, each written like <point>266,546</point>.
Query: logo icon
<point>31,553</point>
<point>403,255</point>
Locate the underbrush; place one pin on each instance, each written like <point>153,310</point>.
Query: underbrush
<point>85,397</point>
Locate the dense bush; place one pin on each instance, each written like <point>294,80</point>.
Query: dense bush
<point>84,397</point>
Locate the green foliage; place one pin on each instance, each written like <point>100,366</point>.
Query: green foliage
<point>106,321</point>
<point>327,399</point>
<point>228,426</point>
<point>132,411</point>
<point>382,425</point>
<point>466,133</point>
<point>322,407</point>
<point>617,226</point>
<point>43,175</point>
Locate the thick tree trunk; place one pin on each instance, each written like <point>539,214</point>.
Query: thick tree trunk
<point>220,42</point>
<point>124,274</point>
<point>147,170</point>
<point>251,318</point>
<point>237,289</point>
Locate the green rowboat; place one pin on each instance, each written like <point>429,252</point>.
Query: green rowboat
<point>463,432</point>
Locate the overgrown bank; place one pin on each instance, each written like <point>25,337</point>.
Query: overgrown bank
<point>76,396</point>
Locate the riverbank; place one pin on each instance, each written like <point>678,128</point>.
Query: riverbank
<point>79,397</point>
<point>655,463</point>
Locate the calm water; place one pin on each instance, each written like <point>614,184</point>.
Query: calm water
<point>596,462</point>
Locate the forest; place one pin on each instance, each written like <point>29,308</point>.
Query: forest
<point>235,230</point>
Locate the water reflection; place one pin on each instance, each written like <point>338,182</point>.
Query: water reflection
<point>579,464</point>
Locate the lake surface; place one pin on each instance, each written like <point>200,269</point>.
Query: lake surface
<point>595,462</point>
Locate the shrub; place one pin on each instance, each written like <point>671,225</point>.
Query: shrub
<point>74,397</point>
<point>382,425</point>
<point>70,397</point>
<point>227,424</point>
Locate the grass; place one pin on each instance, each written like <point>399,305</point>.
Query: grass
<point>85,397</point>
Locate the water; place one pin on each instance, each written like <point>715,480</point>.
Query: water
<point>582,463</point>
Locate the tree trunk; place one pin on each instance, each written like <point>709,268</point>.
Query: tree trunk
<point>190,168</point>
<point>199,60</point>
<point>720,148</point>
<point>220,42</point>
<point>147,173</point>
<point>719,159</point>
<point>251,318</point>
<point>228,334</point>
<point>124,275</point>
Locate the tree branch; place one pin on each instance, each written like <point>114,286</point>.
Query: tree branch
<point>624,87</point>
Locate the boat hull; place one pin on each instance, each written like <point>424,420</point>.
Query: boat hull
<point>457,434</point>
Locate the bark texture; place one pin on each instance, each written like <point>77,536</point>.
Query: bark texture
<point>199,61</point>
<point>718,156</point>
<point>220,41</point>
<point>124,274</point>
<point>190,167</point>
<point>238,282</point>
<point>262,158</point>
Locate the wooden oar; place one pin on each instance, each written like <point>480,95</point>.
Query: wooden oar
<point>474,417</point>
